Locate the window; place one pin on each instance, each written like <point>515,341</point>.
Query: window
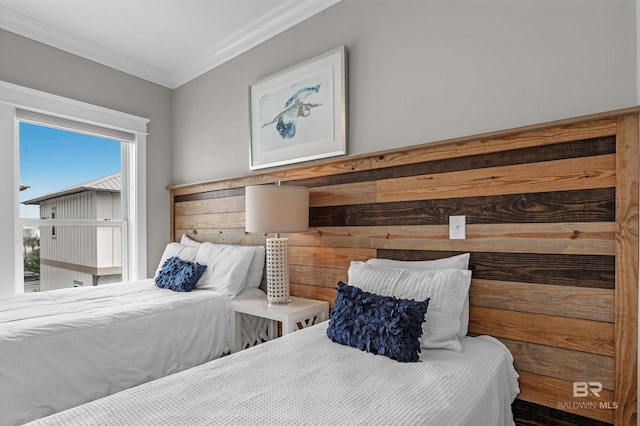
<point>19,105</point>
<point>72,176</point>
<point>52,216</point>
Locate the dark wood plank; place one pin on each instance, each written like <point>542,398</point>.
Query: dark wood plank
<point>222,193</point>
<point>529,414</point>
<point>591,205</point>
<point>574,149</point>
<point>552,269</point>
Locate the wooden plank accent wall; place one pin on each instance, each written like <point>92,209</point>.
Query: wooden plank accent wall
<point>552,228</point>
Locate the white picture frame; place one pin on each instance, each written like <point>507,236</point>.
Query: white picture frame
<point>300,113</point>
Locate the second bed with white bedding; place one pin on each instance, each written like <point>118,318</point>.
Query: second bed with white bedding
<point>305,378</point>
<point>62,348</point>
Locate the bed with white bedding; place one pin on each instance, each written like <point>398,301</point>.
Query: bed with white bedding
<point>305,378</point>
<point>395,351</point>
<point>65,347</point>
<point>62,348</point>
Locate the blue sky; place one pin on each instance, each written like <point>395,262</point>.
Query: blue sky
<point>52,159</point>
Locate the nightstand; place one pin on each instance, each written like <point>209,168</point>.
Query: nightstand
<point>254,320</point>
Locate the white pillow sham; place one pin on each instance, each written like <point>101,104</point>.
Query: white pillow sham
<point>186,253</point>
<point>254,275</point>
<point>227,267</point>
<point>256,268</point>
<point>186,241</point>
<point>460,261</point>
<point>446,288</point>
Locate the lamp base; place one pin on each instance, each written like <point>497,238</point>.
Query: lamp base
<point>282,302</point>
<point>277,259</point>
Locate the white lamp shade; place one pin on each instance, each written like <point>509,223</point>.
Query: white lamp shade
<point>276,209</point>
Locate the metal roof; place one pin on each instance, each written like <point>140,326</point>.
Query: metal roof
<point>110,183</point>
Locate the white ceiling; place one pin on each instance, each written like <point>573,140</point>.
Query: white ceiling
<point>168,42</point>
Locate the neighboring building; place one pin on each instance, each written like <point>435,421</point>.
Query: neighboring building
<point>72,256</point>
<point>31,278</point>
<point>31,243</point>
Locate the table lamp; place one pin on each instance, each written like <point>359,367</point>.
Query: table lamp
<point>277,209</point>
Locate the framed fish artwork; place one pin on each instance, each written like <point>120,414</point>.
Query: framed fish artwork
<point>300,114</point>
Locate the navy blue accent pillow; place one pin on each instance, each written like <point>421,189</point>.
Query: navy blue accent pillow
<point>179,275</point>
<point>382,325</point>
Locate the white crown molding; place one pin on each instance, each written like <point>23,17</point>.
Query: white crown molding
<point>38,31</point>
<point>275,23</point>
<point>278,21</point>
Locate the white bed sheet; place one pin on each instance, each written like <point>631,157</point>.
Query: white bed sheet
<point>305,379</point>
<point>62,348</point>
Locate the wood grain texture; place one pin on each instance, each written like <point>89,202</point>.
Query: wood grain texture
<point>552,228</point>
<point>356,184</point>
<point>567,301</point>
<point>213,220</point>
<point>328,257</point>
<point>565,238</point>
<point>528,414</point>
<point>209,195</point>
<point>568,333</point>
<point>562,270</point>
<point>336,195</point>
<point>558,394</point>
<point>561,363</point>
<point>589,205</point>
<point>314,292</point>
<point>560,175</point>
<point>318,276</point>
<point>221,205</point>
<point>627,270</point>
<point>221,235</point>
<point>596,146</point>
<point>574,129</point>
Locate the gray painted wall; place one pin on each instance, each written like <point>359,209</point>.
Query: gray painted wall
<point>421,71</point>
<point>35,65</point>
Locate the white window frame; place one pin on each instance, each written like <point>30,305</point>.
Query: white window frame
<point>13,97</point>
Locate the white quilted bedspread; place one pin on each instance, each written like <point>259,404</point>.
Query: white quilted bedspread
<point>63,348</point>
<point>305,379</point>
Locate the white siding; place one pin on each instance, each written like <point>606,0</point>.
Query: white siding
<point>71,244</point>
<point>53,278</point>
<point>108,239</point>
<point>80,247</point>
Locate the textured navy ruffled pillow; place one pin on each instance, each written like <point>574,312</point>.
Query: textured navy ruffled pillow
<point>179,275</point>
<point>382,325</point>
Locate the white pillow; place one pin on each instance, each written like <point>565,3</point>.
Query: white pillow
<point>447,289</point>
<point>460,261</point>
<point>185,253</point>
<point>227,267</point>
<point>256,268</point>
<point>186,241</point>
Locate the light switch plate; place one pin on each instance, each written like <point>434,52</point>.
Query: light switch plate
<point>457,227</point>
